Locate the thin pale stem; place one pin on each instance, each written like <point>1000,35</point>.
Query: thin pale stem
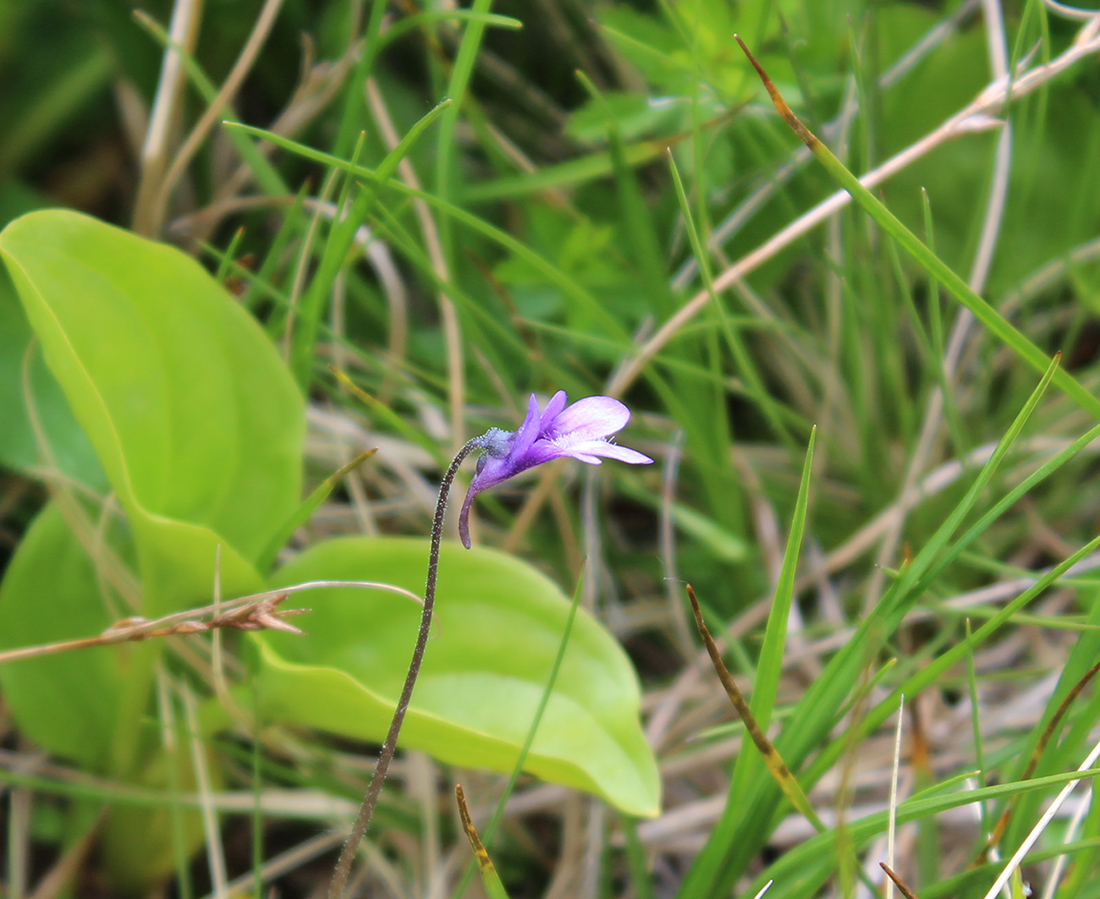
<point>374,788</point>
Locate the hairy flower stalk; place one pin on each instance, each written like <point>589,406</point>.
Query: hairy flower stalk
<point>580,431</point>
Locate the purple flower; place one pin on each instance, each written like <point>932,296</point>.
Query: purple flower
<point>581,431</point>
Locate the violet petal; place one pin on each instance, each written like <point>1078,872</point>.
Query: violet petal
<point>591,418</point>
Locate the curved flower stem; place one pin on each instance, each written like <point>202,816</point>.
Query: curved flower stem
<point>362,820</point>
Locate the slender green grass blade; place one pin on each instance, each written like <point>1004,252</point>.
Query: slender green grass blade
<point>770,666</point>
<point>521,759</point>
<point>741,829</point>
<point>339,243</point>
<point>636,860</point>
<point>801,870</point>
<point>743,360</point>
<point>306,510</point>
<point>228,257</point>
<point>446,145</point>
<point>569,286</point>
<point>573,173</point>
<point>261,285</point>
<point>997,325</point>
<point>418,20</point>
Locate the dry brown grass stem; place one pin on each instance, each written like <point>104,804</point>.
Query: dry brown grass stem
<point>1036,755</point>
<point>834,131</point>
<point>471,831</point>
<point>774,761</point>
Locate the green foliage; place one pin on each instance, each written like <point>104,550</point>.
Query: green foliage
<point>67,703</point>
<point>166,378</point>
<point>199,429</point>
<point>498,626</point>
<point>434,201</point>
<point>61,436</point>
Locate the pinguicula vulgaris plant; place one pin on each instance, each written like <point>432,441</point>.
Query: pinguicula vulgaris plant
<point>581,432</point>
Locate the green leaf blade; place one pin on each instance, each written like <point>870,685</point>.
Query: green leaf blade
<point>67,703</point>
<point>191,411</point>
<point>497,633</point>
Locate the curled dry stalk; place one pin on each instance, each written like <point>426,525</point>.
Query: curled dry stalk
<point>258,611</point>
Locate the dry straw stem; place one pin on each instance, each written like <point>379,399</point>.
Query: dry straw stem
<point>835,130</point>
<point>452,333</point>
<point>247,613</point>
<point>183,31</point>
<point>977,116</point>
<point>152,217</point>
<point>1025,847</point>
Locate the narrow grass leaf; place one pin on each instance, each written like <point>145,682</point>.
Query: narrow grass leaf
<point>521,760</point>
<point>569,286</point>
<point>935,669</point>
<point>754,383</point>
<point>636,863</point>
<point>739,834</point>
<point>803,869</point>
<point>446,145</point>
<point>770,667</point>
<point>573,173</point>
<point>418,20</point>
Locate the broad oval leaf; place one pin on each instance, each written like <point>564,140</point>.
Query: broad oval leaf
<point>69,702</point>
<point>498,627</point>
<point>196,420</point>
